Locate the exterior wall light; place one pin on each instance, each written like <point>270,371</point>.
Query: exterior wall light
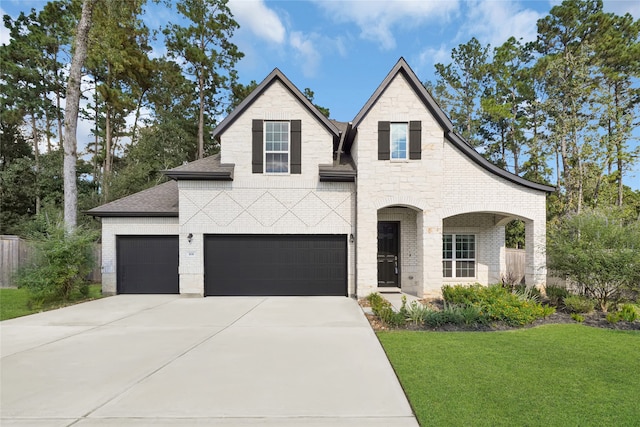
<point>351,238</point>
<point>189,237</point>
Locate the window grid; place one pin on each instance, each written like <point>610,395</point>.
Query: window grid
<point>463,258</point>
<point>399,137</point>
<point>276,152</point>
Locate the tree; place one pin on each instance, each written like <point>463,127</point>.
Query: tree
<point>310,95</point>
<point>599,252</point>
<point>460,85</point>
<point>71,116</point>
<point>205,46</point>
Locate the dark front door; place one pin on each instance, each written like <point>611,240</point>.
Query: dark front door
<point>388,253</point>
<point>297,265</point>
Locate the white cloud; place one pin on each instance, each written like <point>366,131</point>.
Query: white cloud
<point>378,19</point>
<point>621,7</point>
<point>4,31</point>
<point>305,48</point>
<point>431,56</point>
<point>495,21</point>
<point>259,19</point>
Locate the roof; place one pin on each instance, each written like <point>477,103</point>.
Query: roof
<point>343,169</point>
<point>275,75</point>
<point>403,68</point>
<point>208,168</point>
<point>161,200</point>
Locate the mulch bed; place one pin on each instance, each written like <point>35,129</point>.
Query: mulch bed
<point>595,319</point>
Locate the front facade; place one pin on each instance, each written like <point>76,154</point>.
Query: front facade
<point>296,204</point>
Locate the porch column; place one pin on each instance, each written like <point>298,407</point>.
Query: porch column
<point>430,237</point>
<point>536,252</point>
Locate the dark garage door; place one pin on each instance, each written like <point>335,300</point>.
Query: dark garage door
<point>147,264</point>
<point>275,265</point>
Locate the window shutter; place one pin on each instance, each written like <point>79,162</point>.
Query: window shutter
<point>415,140</point>
<point>384,141</point>
<point>296,146</point>
<point>257,146</point>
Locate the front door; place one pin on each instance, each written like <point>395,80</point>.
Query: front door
<point>388,252</point>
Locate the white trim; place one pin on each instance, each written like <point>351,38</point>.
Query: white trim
<point>264,148</point>
<point>454,259</point>
<point>406,148</point>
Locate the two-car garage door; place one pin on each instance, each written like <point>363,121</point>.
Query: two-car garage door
<point>238,264</point>
<point>275,264</point>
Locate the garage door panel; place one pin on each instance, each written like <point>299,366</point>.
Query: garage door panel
<point>147,264</point>
<point>275,265</point>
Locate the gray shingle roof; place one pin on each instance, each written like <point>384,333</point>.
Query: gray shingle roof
<point>161,200</point>
<point>208,168</point>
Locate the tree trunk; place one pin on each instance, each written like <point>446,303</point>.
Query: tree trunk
<point>71,116</point>
<point>36,155</point>
<point>106,171</point>
<point>201,117</point>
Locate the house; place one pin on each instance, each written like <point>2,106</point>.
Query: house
<point>297,204</point>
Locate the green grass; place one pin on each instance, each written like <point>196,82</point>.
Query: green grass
<point>15,302</point>
<point>554,375</point>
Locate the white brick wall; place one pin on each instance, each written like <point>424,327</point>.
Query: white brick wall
<point>113,227</point>
<point>442,184</point>
<point>261,203</point>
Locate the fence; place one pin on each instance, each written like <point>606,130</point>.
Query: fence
<point>515,260</point>
<point>16,252</point>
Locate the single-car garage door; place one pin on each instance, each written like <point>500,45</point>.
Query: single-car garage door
<point>275,265</point>
<point>147,264</point>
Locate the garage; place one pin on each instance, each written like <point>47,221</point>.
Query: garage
<point>147,265</point>
<point>261,265</point>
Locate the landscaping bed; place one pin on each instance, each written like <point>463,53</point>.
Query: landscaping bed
<point>495,308</point>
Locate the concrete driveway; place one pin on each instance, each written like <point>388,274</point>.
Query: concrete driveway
<point>169,360</point>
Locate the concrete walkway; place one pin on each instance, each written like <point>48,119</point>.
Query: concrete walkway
<point>171,361</point>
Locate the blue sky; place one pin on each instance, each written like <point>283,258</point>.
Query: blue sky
<point>343,49</point>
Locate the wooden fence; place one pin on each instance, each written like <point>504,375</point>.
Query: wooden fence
<point>515,260</point>
<point>16,252</point>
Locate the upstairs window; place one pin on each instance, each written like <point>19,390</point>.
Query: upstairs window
<point>458,255</point>
<point>399,140</point>
<point>399,133</point>
<point>276,147</point>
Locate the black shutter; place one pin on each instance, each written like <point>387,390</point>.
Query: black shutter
<point>257,144</point>
<point>296,146</point>
<point>415,140</point>
<point>383,141</point>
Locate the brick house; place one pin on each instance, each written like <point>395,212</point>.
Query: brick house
<point>297,204</point>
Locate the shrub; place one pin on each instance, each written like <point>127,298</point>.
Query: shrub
<point>579,304</point>
<point>598,251</point>
<point>384,310</point>
<point>613,317</point>
<point>556,294</point>
<point>577,317</point>
<point>495,303</point>
<point>527,293</point>
<point>629,313</point>
<point>62,264</point>
<point>416,313</point>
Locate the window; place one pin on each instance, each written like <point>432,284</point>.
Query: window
<point>276,147</point>
<point>399,134</point>
<point>459,255</point>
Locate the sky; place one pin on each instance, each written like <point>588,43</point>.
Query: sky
<point>343,49</point>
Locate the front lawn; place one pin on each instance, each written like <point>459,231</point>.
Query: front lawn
<point>553,375</point>
<point>15,302</point>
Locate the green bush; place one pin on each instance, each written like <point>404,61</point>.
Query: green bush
<point>579,304</point>
<point>598,251</point>
<point>628,313</point>
<point>556,294</point>
<point>495,303</point>
<point>577,317</point>
<point>384,310</point>
<point>61,267</point>
<point>416,313</point>
<point>613,317</point>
